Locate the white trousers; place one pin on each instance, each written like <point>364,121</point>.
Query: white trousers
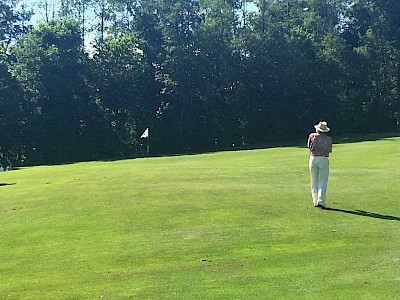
<point>319,173</point>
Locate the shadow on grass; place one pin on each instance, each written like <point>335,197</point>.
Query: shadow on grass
<point>356,138</point>
<point>6,184</point>
<point>366,214</point>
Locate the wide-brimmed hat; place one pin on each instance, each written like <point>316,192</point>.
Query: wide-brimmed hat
<point>322,127</point>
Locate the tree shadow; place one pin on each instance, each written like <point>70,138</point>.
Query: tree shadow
<point>356,138</point>
<point>366,214</point>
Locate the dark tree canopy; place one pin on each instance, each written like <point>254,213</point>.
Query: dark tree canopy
<point>84,82</point>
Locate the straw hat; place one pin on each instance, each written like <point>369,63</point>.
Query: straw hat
<point>322,127</point>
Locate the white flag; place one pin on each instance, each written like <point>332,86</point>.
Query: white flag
<point>145,134</point>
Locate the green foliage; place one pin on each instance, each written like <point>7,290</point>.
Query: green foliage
<point>125,89</point>
<point>372,33</point>
<point>12,111</point>
<point>203,74</point>
<point>12,22</point>
<point>228,225</point>
<point>50,66</point>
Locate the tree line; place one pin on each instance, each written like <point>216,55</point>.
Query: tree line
<point>89,77</point>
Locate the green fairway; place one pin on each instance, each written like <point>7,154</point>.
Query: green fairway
<point>227,225</point>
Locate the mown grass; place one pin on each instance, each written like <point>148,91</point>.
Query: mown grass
<point>228,225</point>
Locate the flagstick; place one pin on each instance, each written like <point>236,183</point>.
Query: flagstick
<point>145,135</point>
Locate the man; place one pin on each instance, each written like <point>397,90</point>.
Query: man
<point>319,145</point>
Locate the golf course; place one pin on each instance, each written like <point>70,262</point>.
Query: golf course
<point>224,225</point>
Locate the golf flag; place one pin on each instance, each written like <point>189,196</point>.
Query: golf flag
<point>145,134</point>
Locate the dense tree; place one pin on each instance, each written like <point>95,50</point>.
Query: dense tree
<point>202,74</point>
<point>13,112</point>
<point>126,89</point>
<point>371,31</point>
<point>49,65</point>
<point>390,31</point>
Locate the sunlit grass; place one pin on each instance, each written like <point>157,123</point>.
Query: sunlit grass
<point>228,225</point>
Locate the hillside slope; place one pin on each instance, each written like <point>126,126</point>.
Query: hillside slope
<point>228,225</point>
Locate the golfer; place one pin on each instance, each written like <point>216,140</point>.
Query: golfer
<point>319,145</point>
